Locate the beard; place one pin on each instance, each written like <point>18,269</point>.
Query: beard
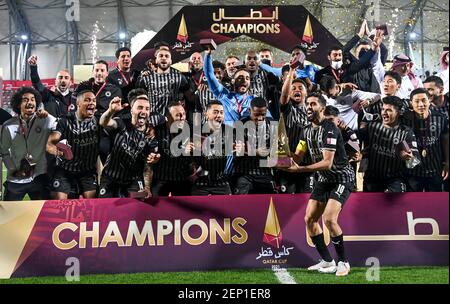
<point>164,66</point>
<point>238,84</point>
<point>314,116</point>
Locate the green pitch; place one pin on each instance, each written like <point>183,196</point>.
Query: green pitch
<point>388,275</point>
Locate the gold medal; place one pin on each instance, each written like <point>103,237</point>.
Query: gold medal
<point>424,153</point>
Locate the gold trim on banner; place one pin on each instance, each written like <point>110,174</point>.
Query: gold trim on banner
<point>17,219</point>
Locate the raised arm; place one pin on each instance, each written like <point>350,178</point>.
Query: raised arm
<point>354,41</point>
<point>275,71</point>
<point>106,120</point>
<point>214,85</point>
<point>284,98</point>
<point>35,79</point>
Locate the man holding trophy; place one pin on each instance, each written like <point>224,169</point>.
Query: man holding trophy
<point>335,181</point>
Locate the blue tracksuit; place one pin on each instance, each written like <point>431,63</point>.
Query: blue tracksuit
<point>309,71</point>
<point>236,106</point>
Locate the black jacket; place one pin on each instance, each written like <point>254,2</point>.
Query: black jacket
<point>4,116</point>
<point>104,97</point>
<point>55,103</point>
<point>116,78</point>
<point>357,71</point>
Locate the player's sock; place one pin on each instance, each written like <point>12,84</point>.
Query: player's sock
<point>338,242</point>
<point>319,242</point>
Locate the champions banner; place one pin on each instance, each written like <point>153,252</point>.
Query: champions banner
<point>205,233</point>
<point>279,26</point>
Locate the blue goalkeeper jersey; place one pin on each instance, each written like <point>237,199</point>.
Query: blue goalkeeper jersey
<point>236,106</point>
<point>309,71</point>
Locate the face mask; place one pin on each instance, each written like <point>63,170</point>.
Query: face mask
<point>336,64</point>
<point>266,61</point>
<point>362,53</point>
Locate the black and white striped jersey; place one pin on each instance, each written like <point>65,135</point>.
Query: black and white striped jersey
<point>164,88</point>
<point>429,134</point>
<point>328,137</point>
<point>382,149</point>
<point>128,156</point>
<point>84,137</point>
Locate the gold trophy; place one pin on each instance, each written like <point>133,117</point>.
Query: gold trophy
<point>283,153</point>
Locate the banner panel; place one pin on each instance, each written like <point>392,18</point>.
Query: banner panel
<point>282,27</point>
<point>221,232</point>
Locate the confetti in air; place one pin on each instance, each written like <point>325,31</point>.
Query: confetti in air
<point>393,25</point>
<point>94,46</point>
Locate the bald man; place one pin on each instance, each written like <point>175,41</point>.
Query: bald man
<point>58,101</point>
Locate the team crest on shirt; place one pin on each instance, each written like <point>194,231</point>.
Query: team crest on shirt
<point>433,127</point>
<point>71,107</point>
<point>56,184</point>
<point>94,127</point>
<point>396,141</point>
<point>38,129</point>
<point>108,94</point>
<point>141,144</point>
<point>120,81</point>
<point>102,191</point>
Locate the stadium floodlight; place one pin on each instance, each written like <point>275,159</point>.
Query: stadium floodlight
<point>413,35</point>
<point>24,37</point>
<point>122,35</point>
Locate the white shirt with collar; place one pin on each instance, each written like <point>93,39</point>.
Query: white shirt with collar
<point>407,87</point>
<point>344,104</point>
<point>444,76</point>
